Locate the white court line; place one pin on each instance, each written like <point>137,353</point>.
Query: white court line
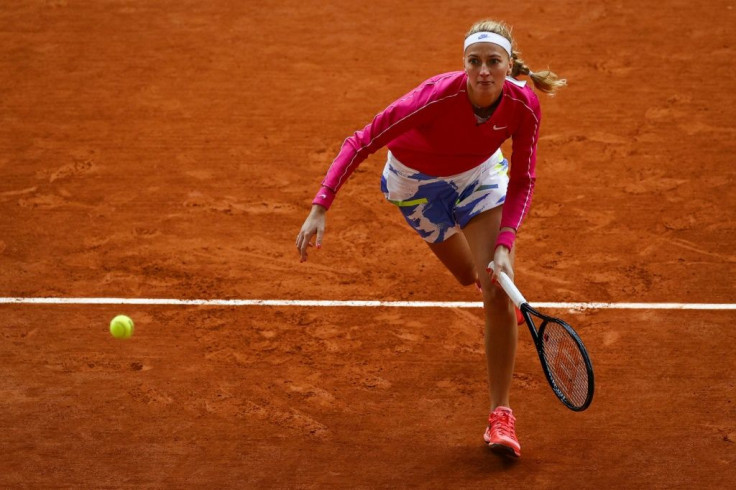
<point>358,303</point>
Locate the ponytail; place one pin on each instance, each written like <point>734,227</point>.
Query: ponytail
<point>546,81</point>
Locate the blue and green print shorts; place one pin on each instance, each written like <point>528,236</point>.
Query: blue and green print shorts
<point>437,207</point>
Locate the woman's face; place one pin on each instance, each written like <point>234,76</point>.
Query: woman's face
<point>487,66</point>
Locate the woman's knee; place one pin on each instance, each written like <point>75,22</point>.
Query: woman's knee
<point>467,277</point>
<point>495,298</point>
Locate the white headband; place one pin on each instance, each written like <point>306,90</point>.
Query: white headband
<point>488,37</point>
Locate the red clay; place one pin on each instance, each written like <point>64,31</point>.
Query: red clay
<point>171,149</point>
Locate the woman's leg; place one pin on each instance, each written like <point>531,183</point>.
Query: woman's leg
<point>466,255</point>
<point>501,330</point>
<point>456,256</point>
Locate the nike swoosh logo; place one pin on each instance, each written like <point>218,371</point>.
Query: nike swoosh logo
<point>496,128</point>
<point>323,196</point>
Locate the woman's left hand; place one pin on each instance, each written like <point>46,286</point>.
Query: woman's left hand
<point>502,263</point>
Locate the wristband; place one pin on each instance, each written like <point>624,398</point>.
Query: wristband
<point>505,238</point>
<point>324,197</point>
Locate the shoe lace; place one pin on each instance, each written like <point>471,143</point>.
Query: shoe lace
<point>504,423</point>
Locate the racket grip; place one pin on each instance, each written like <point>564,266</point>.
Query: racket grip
<point>508,285</point>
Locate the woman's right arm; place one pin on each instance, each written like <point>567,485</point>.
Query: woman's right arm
<point>397,118</point>
<point>409,111</point>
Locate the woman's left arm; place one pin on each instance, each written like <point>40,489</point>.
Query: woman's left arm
<point>523,170</point>
<point>521,187</point>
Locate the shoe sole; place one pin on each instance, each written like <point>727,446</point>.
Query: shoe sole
<point>503,450</point>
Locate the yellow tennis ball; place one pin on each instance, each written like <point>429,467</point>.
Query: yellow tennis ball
<point>121,327</point>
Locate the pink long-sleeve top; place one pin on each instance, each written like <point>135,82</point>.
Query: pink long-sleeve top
<point>433,129</point>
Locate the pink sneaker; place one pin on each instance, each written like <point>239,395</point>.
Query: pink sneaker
<point>500,434</point>
<point>519,317</point>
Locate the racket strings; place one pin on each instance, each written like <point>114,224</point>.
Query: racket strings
<point>566,363</point>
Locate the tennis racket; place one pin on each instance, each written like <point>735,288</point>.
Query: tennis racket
<point>565,361</point>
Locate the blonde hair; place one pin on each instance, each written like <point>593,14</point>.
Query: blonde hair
<point>545,80</point>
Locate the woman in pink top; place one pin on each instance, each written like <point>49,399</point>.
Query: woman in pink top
<point>446,174</point>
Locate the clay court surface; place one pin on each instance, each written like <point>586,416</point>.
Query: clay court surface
<point>171,150</point>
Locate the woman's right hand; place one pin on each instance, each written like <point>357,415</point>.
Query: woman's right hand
<point>313,225</point>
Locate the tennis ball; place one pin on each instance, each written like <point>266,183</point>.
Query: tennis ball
<point>121,327</point>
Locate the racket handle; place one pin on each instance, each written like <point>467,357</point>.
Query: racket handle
<point>508,285</point>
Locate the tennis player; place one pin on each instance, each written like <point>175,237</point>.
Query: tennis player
<point>446,174</point>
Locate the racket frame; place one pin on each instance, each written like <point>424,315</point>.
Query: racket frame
<point>538,335</point>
